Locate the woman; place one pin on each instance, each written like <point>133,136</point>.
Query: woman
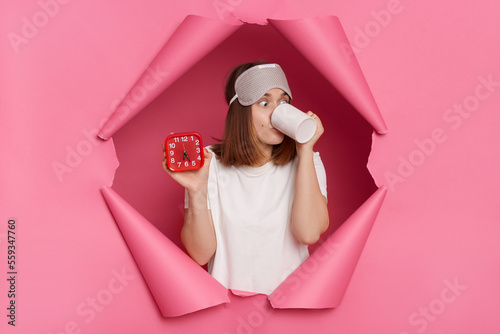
<point>260,197</point>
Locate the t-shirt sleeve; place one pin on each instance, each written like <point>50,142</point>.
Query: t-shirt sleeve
<point>320,173</point>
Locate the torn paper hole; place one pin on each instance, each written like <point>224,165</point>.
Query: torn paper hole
<point>195,102</point>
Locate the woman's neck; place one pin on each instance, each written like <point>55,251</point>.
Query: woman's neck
<point>268,152</point>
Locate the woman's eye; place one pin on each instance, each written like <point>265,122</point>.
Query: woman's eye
<point>263,103</point>
<point>283,102</point>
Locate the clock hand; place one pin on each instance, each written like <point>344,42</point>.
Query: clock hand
<point>185,155</point>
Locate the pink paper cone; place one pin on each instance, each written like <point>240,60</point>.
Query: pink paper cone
<point>193,39</point>
<point>178,285</point>
<point>321,281</point>
<point>324,43</point>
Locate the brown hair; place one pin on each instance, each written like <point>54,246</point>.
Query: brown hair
<point>240,143</point>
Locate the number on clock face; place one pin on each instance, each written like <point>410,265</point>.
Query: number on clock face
<point>184,151</point>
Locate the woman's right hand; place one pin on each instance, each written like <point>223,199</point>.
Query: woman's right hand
<point>192,180</point>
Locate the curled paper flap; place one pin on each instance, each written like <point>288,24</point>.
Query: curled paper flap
<point>194,38</point>
<point>324,43</point>
<point>178,285</point>
<point>241,293</point>
<point>322,279</point>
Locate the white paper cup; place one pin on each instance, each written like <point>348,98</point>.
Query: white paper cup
<point>293,122</point>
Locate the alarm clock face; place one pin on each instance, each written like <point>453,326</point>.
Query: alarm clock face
<point>184,151</point>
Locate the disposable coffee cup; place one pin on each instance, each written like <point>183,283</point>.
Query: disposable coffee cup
<point>293,122</point>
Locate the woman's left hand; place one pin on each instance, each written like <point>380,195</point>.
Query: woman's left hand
<point>319,131</point>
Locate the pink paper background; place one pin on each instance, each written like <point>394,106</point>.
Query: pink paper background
<point>438,226</point>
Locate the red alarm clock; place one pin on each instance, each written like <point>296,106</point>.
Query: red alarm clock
<point>184,151</point>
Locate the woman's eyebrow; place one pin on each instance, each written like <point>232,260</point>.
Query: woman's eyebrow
<point>282,94</point>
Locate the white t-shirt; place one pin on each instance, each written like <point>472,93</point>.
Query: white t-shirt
<point>251,209</point>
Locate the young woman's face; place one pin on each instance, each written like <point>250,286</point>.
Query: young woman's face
<point>261,116</point>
